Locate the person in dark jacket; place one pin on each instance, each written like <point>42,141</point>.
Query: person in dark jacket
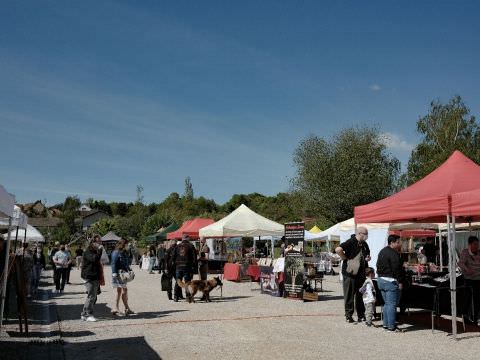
<point>391,276</point>
<point>185,259</point>
<point>169,272</point>
<point>355,254</point>
<point>91,271</point>
<point>39,264</point>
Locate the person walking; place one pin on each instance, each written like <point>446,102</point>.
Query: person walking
<point>469,263</point>
<point>61,260</point>
<point>78,257</point>
<point>51,253</point>
<point>70,264</point>
<point>355,254</point>
<point>391,277</point>
<point>161,258</point>
<point>368,295</point>
<point>27,264</point>
<point>169,272</point>
<point>152,257</point>
<point>91,272</point>
<point>185,263</point>
<point>120,262</point>
<point>38,265</point>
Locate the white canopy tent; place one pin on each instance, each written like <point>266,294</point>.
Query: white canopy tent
<point>18,219</point>
<point>243,222</point>
<point>110,236</point>
<point>30,235</point>
<point>7,203</point>
<point>377,236</point>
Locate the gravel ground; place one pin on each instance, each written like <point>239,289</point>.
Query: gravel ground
<point>242,324</point>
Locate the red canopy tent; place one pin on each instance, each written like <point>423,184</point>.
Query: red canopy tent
<point>414,233</point>
<point>433,199</point>
<point>467,205</point>
<point>428,200</point>
<point>190,228</point>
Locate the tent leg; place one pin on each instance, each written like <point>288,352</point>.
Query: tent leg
<point>451,270</point>
<point>5,275</point>
<point>454,271</point>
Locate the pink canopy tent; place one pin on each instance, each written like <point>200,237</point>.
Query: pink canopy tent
<point>441,196</point>
<point>413,233</point>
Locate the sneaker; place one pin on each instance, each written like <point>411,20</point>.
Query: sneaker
<point>361,318</point>
<point>350,319</point>
<point>369,324</point>
<point>395,329</point>
<point>91,318</point>
<point>83,317</point>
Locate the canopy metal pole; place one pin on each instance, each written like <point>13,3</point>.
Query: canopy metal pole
<point>16,240</point>
<point>440,246</point>
<point>5,275</point>
<point>454,271</point>
<point>451,276</point>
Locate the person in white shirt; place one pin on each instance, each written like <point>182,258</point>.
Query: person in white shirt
<point>368,295</point>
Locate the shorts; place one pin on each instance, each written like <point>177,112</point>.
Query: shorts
<point>118,283</point>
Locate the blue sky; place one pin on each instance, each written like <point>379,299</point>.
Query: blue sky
<point>97,97</point>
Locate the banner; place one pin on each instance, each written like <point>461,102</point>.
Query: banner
<point>294,275</point>
<point>269,281</point>
<point>294,267</point>
<point>295,235</point>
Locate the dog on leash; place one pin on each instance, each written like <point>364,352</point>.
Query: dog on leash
<point>205,286</point>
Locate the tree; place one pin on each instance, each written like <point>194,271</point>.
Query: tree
<point>104,225</point>
<point>333,176</point>
<point>188,194</point>
<point>446,128</point>
<point>156,221</point>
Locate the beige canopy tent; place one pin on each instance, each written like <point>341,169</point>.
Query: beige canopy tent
<point>242,222</point>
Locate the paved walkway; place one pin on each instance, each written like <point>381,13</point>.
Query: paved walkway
<point>243,324</point>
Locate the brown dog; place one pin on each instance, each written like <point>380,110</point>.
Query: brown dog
<point>205,286</point>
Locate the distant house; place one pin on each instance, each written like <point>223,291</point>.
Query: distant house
<point>45,225</point>
<point>84,208</point>
<point>91,217</point>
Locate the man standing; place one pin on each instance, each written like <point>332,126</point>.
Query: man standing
<point>391,276</point>
<point>185,259</point>
<point>355,254</point>
<point>470,264</point>
<point>91,272</point>
<point>61,259</point>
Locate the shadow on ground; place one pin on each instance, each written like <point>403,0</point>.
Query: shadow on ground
<point>124,348</point>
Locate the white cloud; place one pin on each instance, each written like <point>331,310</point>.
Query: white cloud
<point>395,142</point>
<point>375,87</point>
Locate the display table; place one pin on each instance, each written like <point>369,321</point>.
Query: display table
<point>231,272</point>
<point>254,272</point>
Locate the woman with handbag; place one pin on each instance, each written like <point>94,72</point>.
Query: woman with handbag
<point>121,274</point>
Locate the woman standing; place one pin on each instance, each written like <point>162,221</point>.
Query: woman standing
<point>38,266</point>
<point>120,262</point>
<point>152,257</point>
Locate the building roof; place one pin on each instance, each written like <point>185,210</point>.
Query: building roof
<point>44,221</point>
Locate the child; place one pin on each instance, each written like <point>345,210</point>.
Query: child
<point>368,291</point>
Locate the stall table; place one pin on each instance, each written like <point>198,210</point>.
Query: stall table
<point>232,272</point>
<point>254,272</point>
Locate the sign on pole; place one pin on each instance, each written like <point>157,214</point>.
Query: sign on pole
<point>294,268</point>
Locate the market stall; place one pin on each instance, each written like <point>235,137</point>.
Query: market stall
<point>432,200</point>
<point>7,202</point>
<point>242,222</point>
<point>190,228</point>
<point>161,235</point>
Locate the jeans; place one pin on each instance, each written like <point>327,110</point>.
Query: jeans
<point>181,275</point>
<point>92,289</point>
<point>391,296</point>
<point>352,297</point>
<point>369,310</point>
<point>37,272</point>
<point>151,264</point>
<point>472,314</point>
<point>60,277</point>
